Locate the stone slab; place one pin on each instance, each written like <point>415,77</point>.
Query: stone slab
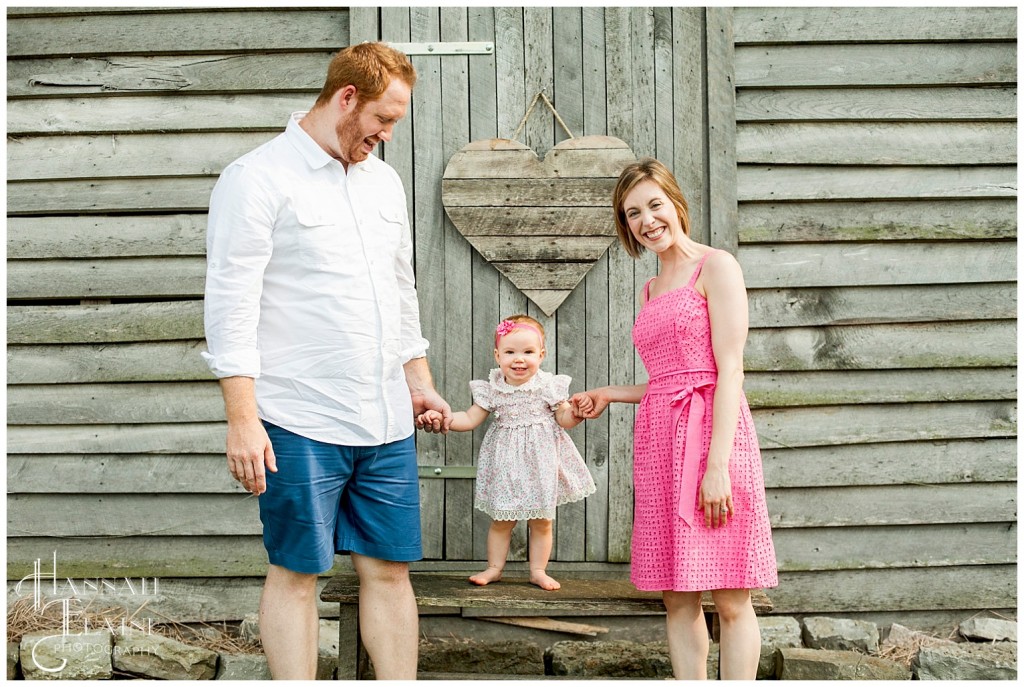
<point>49,656</point>
<point>967,661</point>
<point>162,658</point>
<point>989,629</point>
<point>823,664</point>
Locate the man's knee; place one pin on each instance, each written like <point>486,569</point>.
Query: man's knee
<point>284,582</point>
<point>375,572</point>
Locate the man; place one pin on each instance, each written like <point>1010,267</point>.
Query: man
<point>313,328</point>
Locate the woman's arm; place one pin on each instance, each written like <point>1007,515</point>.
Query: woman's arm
<point>727,309</point>
<point>604,395</point>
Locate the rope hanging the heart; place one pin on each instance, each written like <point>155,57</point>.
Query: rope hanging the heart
<point>529,111</point>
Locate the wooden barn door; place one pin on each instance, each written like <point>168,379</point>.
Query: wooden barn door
<point>638,74</point>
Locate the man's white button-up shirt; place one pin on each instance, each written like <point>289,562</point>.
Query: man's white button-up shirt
<point>309,290</point>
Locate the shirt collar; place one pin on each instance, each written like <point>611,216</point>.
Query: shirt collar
<point>315,156</point>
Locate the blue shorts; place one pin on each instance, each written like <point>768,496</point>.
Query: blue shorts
<point>326,498</point>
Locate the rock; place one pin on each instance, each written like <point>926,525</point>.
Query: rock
<point>49,656</point>
<point>243,667</point>
<point>617,658</point>
<point>713,659</point>
<point>902,643</point>
<point>967,661</point>
<point>515,657</point>
<point>12,661</point>
<point>822,664</point>
<point>841,634</point>
<point>776,632</point>
<point>327,654</point>
<point>249,629</point>
<point>162,658</point>
<point>900,636</point>
<point>989,629</point>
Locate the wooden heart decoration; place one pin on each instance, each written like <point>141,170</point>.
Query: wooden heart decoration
<point>541,223</point>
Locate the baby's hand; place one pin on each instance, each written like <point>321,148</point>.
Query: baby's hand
<point>582,404</point>
<point>429,418</point>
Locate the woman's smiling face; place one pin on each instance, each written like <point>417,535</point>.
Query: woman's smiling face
<point>652,217</point>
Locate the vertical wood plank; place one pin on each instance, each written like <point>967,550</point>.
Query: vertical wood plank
<point>596,285</point>
<point>458,502</point>
<point>399,152</point>
<point>664,115</point>
<point>721,130</point>
<point>645,99</point>
<point>539,131</point>
<point>510,52</point>
<point>483,124</point>
<point>363,24</point>
<point>689,85</point>
<point>621,298</point>
<point>567,25</point>
<point>539,135</point>
<point>428,168</point>
<point>641,30</point>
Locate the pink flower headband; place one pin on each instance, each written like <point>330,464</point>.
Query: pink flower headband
<point>506,326</point>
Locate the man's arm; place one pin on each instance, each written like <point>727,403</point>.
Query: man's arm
<point>425,396</point>
<point>249,446</point>
<point>238,248</point>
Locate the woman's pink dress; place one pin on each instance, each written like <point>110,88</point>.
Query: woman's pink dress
<point>672,334</point>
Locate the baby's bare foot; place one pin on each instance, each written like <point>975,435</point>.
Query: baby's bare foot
<point>542,580</point>
<point>491,574</point>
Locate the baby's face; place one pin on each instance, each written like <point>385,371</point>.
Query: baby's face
<point>519,354</point>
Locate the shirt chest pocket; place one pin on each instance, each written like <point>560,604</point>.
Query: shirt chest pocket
<point>322,240</point>
<point>388,224</point>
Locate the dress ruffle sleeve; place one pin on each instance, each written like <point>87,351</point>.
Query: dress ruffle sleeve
<point>483,394</point>
<point>556,390</point>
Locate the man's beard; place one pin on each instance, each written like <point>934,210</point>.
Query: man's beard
<point>347,132</point>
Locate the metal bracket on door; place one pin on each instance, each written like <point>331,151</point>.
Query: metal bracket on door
<point>447,48</point>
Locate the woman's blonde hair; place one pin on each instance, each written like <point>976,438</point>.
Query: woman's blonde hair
<point>369,67</point>
<point>646,169</point>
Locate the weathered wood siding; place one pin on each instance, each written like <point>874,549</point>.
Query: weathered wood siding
<point>119,121</point>
<point>861,163</point>
<point>876,187</point>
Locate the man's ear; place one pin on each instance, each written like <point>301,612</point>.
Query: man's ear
<point>346,98</point>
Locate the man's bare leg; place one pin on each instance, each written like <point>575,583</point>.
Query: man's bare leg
<point>388,619</point>
<point>290,624</point>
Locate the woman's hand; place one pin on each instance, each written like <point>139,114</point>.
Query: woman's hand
<point>715,496</point>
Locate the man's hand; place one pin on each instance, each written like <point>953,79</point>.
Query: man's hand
<point>250,455</point>
<point>433,414</point>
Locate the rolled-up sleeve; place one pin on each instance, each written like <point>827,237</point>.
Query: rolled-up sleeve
<point>239,244</point>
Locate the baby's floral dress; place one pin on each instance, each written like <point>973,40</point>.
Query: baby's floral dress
<point>528,464</point>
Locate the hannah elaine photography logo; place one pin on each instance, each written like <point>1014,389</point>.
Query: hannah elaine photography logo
<point>71,598</point>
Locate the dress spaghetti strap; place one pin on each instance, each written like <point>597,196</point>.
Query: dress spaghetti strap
<point>700,266</point>
<point>647,290</point>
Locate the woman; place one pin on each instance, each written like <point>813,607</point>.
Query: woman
<point>700,521</point>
